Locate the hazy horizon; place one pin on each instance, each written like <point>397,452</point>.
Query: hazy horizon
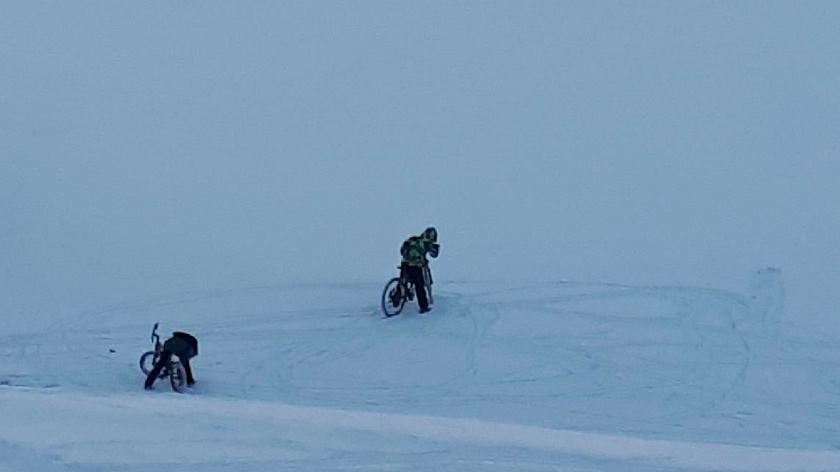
<point>169,147</point>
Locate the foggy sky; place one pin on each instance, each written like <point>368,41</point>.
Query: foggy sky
<point>162,147</point>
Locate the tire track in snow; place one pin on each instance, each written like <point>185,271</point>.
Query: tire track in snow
<point>704,375</point>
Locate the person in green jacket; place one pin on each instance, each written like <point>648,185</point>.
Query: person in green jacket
<point>181,344</point>
<point>414,251</point>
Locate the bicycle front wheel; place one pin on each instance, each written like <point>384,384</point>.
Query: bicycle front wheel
<point>427,278</point>
<point>393,297</point>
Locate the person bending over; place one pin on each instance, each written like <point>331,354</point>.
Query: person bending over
<point>181,344</point>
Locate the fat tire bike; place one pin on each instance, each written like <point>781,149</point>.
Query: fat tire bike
<point>175,370</point>
<point>400,290</point>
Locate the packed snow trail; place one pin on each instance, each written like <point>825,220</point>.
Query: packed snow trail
<point>141,423</point>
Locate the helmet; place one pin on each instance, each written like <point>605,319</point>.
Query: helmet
<point>430,233</point>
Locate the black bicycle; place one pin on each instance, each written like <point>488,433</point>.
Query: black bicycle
<point>175,370</point>
<point>400,290</point>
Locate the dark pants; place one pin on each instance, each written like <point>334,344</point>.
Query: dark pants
<point>415,275</point>
<point>165,357</point>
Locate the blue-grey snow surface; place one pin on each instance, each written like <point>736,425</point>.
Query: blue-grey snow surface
<point>637,206</point>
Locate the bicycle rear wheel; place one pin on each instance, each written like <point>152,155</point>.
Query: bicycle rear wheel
<point>147,362</point>
<point>393,297</point>
<point>177,376</point>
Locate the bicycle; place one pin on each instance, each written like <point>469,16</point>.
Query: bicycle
<point>175,370</point>
<point>399,290</point>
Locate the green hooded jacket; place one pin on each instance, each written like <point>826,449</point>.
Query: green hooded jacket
<point>415,249</point>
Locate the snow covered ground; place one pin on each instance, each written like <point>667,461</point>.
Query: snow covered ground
<point>499,376</point>
<point>637,206</point>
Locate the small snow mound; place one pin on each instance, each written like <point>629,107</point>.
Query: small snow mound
<point>766,295</point>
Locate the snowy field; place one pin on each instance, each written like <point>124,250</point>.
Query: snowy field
<point>637,206</point>
<point>498,377</point>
